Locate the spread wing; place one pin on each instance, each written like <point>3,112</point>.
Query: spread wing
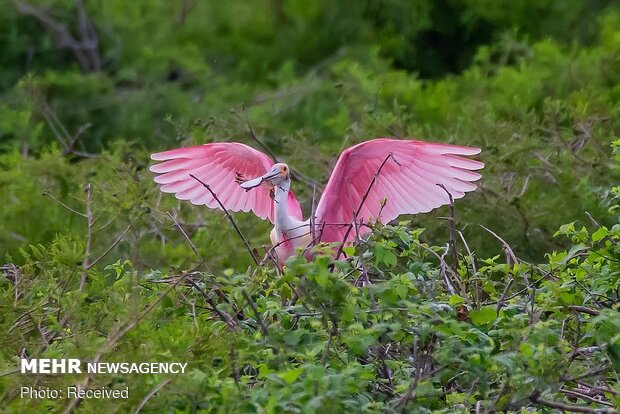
<point>407,183</point>
<point>216,164</point>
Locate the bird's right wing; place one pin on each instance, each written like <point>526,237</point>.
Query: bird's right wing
<point>217,165</point>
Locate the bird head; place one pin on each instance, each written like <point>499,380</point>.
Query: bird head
<point>275,176</point>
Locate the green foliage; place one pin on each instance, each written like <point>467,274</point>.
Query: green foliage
<point>96,263</point>
<point>544,113</point>
<point>365,334</point>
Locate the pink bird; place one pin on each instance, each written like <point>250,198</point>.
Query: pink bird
<point>375,180</point>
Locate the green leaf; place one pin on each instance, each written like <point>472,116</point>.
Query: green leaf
<point>483,316</point>
<point>455,300</point>
<point>599,234</point>
<point>291,375</point>
<point>292,337</point>
<point>349,250</point>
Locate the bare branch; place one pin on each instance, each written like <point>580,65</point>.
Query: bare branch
<point>442,269</point>
<point>89,236</point>
<point>109,249</point>
<point>259,318</point>
<point>148,396</point>
<point>452,227</point>
<point>584,309</point>
<point>363,200</point>
<point>505,245</point>
<point>45,193</point>
<point>577,394</point>
<point>358,243</point>
<point>569,407</point>
<point>113,338</point>
<point>86,49</point>
<point>231,219</point>
<point>191,243</point>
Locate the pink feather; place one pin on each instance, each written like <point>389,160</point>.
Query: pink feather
<point>408,182</point>
<point>216,164</point>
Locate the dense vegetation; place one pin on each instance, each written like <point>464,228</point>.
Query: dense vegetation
<point>520,316</point>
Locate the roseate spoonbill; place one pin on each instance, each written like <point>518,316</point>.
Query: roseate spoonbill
<point>408,178</point>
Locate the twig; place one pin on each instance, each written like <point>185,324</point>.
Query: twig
<point>595,371</point>
<point>231,219</point>
<point>333,332</point>
<point>590,349</point>
<point>45,193</point>
<point>296,175</point>
<point>477,292</point>
<point>109,249</point>
<point>443,265</point>
<point>452,227</point>
<point>86,50</point>
<point>259,318</point>
<point>89,236</point>
<point>505,245</point>
<point>577,394</point>
<point>500,301</point>
<point>150,394</point>
<point>535,397</point>
<point>600,390</point>
<point>363,200</point>
<point>594,222</point>
<point>191,243</point>
<point>114,338</point>
<point>230,322</point>
<point>584,309</point>
<point>9,372</point>
<point>442,269</point>
<point>358,243</point>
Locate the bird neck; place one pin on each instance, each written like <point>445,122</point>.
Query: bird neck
<point>282,219</point>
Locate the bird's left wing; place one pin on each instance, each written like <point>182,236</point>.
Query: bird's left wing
<point>217,165</point>
<point>407,183</point>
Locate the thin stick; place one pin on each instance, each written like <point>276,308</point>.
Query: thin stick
<point>442,268</point>
<point>502,298</point>
<point>230,322</point>
<point>9,372</point>
<point>571,408</point>
<point>231,219</point>
<point>504,243</point>
<point>295,173</point>
<point>150,394</point>
<point>332,333</point>
<point>452,227</point>
<point>359,208</point>
<point>477,292</point>
<point>114,338</point>
<point>89,236</point>
<point>358,242</point>
<point>45,193</point>
<point>109,249</point>
<point>595,371</point>
<point>584,309</point>
<point>258,316</point>
<point>191,243</point>
<point>578,394</point>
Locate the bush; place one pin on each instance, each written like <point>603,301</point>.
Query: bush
<point>97,263</point>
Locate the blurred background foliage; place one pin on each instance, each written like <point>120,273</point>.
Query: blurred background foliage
<point>85,86</point>
<point>88,89</point>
